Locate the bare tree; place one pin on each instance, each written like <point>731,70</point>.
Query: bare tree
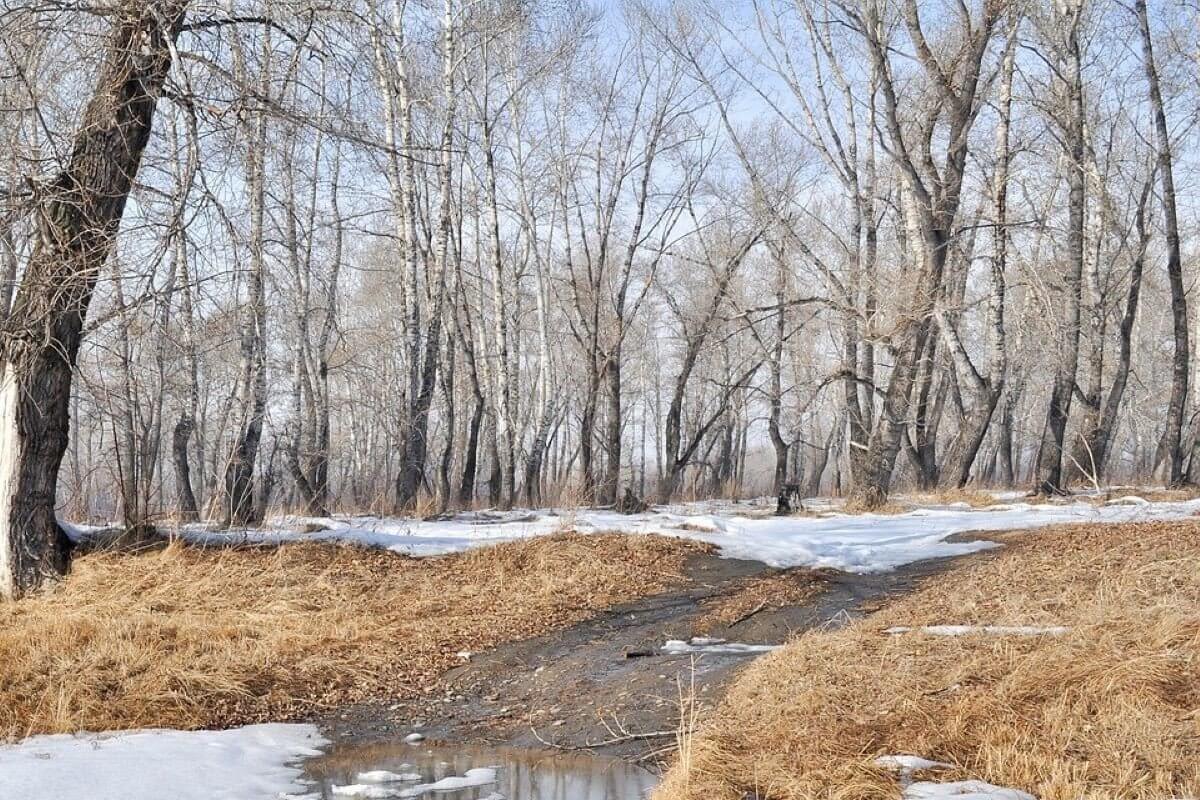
<point>78,214</point>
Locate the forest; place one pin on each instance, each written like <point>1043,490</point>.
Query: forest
<point>410,256</point>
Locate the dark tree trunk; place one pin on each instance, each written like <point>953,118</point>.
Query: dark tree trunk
<point>466,485</point>
<point>927,416</point>
<point>781,457</point>
<point>1171,445</point>
<point>80,215</point>
<point>187,507</point>
<point>859,426</point>
<point>495,482</point>
<point>416,443</point>
<point>812,486</point>
<point>239,475</point>
<point>587,429</point>
<point>266,489</point>
<point>537,455</point>
<point>1009,455</point>
<point>447,461</point>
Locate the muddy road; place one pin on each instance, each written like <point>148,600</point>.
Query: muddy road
<point>605,685</point>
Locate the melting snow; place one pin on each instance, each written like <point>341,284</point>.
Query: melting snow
<point>479,776</point>
<point>962,790</point>
<point>701,644</point>
<point>384,776</point>
<point>369,791</point>
<point>251,763</point>
<point>854,543</point>
<point>906,765</point>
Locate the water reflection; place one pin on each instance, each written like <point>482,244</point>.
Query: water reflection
<point>520,774</point>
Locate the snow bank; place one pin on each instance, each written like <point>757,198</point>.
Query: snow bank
<point>251,763</point>
<point>861,543</point>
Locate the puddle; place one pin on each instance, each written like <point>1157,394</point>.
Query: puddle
<point>519,774</point>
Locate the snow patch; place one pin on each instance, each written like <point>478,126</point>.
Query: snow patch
<point>962,790</point>
<point>701,644</point>
<point>1128,500</point>
<point>860,543</point>
<point>256,762</point>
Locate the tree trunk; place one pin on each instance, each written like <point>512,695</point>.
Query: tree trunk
<point>80,215</point>
<point>239,508</point>
<point>587,431</point>
<point>1049,475</point>
<point>609,484</point>
<point>1095,440</point>
<point>466,486</point>
<point>1170,445</point>
<point>537,454</point>
<point>187,507</point>
<point>812,485</point>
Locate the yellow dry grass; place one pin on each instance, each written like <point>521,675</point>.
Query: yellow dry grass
<point>854,506</point>
<point>1111,709</point>
<point>1157,494</point>
<point>187,638</point>
<point>972,497</point>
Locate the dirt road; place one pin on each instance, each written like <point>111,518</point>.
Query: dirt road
<point>605,685</point>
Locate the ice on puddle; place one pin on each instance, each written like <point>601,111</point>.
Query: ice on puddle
<point>478,776</point>
<point>386,776</point>
<point>962,790</point>
<point>991,630</point>
<point>370,791</point>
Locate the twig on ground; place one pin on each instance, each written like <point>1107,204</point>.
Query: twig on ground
<point>760,607</point>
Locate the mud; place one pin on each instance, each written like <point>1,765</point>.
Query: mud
<point>604,686</point>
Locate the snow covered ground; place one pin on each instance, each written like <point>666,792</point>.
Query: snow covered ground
<point>860,543</point>
<point>252,763</point>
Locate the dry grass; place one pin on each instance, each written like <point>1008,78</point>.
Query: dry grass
<point>190,638</point>
<point>972,497</point>
<point>781,589</point>
<point>1157,494</point>
<point>1111,709</point>
<point>855,506</point>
